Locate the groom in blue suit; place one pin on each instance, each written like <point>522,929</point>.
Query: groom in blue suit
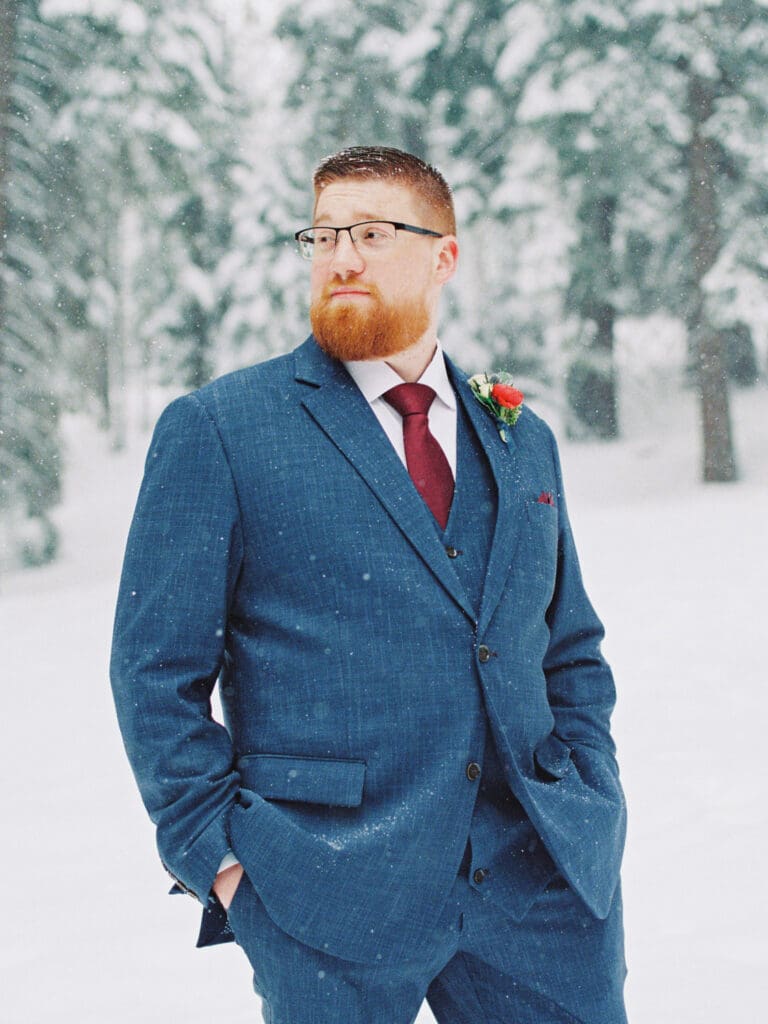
<point>414,792</point>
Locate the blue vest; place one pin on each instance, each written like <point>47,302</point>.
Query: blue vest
<point>505,858</point>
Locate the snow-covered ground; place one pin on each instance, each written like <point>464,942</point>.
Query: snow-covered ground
<point>677,570</point>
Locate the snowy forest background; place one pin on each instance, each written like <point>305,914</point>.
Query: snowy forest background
<point>609,162</point>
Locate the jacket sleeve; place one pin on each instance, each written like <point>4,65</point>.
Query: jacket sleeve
<point>181,566</point>
<point>580,684</point>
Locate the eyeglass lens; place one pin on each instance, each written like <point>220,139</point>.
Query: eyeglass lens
<point>368,237</point>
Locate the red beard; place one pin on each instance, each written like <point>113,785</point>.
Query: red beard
<point>367,329</point>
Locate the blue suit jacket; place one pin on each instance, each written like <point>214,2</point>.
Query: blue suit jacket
<point>279,547</point>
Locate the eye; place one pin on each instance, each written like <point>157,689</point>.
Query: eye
<point>324,238</point>
<point>373,235</point>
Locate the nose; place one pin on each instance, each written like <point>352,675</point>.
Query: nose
<point>346,259</point>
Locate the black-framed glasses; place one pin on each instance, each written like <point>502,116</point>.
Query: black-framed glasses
<point>369,237</point>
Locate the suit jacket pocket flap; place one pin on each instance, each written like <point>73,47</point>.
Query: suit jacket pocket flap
<point>316,780</point>
<point>553,757</point>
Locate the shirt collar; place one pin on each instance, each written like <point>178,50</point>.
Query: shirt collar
<point>374,377</point>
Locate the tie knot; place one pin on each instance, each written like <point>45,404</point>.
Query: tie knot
<point>409,399</point>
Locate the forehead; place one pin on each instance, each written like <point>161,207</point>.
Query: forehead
<point>347,200</point>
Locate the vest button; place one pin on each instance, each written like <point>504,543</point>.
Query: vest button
<point>473,771</point>
<point>483,654</point>
<point>480,875</point>
<point>452,552</point>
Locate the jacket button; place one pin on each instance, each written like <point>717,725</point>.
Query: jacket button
<point>452,552</point>
<point>483,654</point>
<point>480,875</point>
<point>473,771</point>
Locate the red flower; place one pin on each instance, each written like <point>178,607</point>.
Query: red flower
<point>545,498</point>
<point>507,396</point>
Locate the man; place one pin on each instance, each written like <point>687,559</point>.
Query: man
<point>415,793</point>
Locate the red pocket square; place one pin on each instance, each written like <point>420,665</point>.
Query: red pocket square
<point>545,498</point>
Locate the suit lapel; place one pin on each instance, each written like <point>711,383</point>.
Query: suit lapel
<point>340,410</point>
<point>504,459</point>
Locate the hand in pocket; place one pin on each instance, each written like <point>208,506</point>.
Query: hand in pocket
<point>225,884</point>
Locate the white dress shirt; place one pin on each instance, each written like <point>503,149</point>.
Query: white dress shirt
<point>375,376</point>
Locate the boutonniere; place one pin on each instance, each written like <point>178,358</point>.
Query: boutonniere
<point>500,398</point>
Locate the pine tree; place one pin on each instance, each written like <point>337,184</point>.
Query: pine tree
<point>155,120</point>
<point>30,284</point>
<point>469,86</point>
<point>712,61</point>
<point>8,15</point>
<point>582,95</point>
<point>657,112</point>
<point>117,142</point>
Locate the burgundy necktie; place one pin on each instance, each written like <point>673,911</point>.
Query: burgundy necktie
<point>426,461</point>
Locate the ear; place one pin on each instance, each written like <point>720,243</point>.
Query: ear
<point>446,259</point>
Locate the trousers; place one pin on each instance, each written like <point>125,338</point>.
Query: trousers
<point>559,965</point>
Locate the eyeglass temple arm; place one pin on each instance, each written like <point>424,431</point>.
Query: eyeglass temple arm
<point>415,230</point>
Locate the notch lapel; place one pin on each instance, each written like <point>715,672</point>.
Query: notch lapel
<point>340,410</point>
<point>504,460</point>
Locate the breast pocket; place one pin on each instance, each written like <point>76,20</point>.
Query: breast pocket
<point>335,782</point>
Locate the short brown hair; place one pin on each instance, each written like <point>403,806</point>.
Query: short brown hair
<point>383,162</point>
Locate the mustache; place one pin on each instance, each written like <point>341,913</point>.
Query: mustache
<point>352,282</point>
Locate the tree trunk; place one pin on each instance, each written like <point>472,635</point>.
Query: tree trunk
<point>7,27</point>
<point>121,341</point>
<point>591,383</point>
<point>7,30</point>
<point>719,463</point>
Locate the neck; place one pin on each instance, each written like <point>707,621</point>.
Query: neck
<point>411,363</point>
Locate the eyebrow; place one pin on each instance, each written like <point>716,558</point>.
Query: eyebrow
<point>358,218</point>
